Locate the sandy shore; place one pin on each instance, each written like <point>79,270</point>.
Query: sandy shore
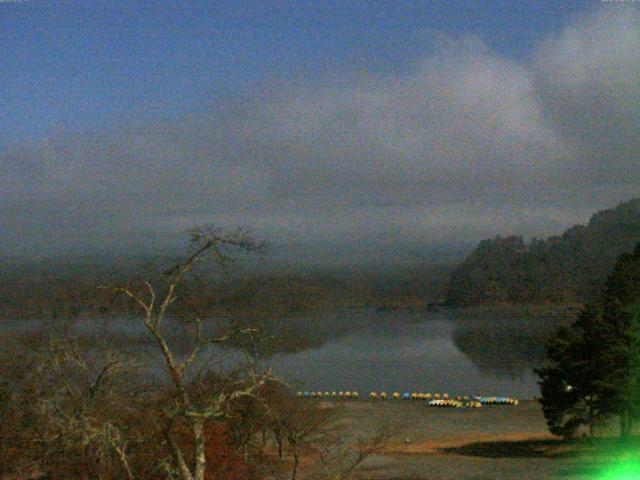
<point>494,442</point>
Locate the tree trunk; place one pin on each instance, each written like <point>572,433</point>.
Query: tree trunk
<point>627,424</point>
<point>183,469</point>
<point>199,444</point>
<point>122,454</point>
<point>624,424</point>
<point>590,419</point>
<point>279,441</point>
<point>295,463</point>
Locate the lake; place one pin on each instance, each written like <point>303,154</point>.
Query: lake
<point>452,351</point>
<point>461,352</point>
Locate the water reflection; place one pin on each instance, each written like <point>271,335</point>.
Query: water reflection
<point>507,349</point>
<point>454,351</point>
<point>421,351</point>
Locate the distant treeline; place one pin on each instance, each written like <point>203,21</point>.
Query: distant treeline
<point>49,293</point>
<point>565,269</point>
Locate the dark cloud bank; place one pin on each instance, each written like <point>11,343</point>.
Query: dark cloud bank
<point>465,145</point>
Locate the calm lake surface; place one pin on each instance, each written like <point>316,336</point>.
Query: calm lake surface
<point>452,351</point>
<point>458,352</point>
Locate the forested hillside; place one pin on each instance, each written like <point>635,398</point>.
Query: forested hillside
<point>570,268</point>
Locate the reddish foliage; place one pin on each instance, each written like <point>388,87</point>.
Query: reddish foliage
<point>224,462</point>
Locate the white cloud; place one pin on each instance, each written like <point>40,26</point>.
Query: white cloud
<point>466,143</point>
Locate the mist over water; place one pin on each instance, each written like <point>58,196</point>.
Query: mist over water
<point>419,351</point>
<point>453,351</point>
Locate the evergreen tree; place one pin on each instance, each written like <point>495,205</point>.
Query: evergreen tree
<point>594,365</point>
<point>570,397</point>
<point>621,339</point>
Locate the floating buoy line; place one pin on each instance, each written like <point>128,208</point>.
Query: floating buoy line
<point>433,400</point>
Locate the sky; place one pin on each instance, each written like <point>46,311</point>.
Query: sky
<point>334,130</point>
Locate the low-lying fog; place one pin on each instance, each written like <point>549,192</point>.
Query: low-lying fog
<point>454,351</point>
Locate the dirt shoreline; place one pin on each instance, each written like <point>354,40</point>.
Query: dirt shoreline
<point>493,442</point>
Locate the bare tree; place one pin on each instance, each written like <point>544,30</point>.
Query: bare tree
<point>92,407</point>
<point>185,407</point>
<point>68,410</point>
<point>304,427</point>
<point>83,410</point>
<point>342,455</point>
